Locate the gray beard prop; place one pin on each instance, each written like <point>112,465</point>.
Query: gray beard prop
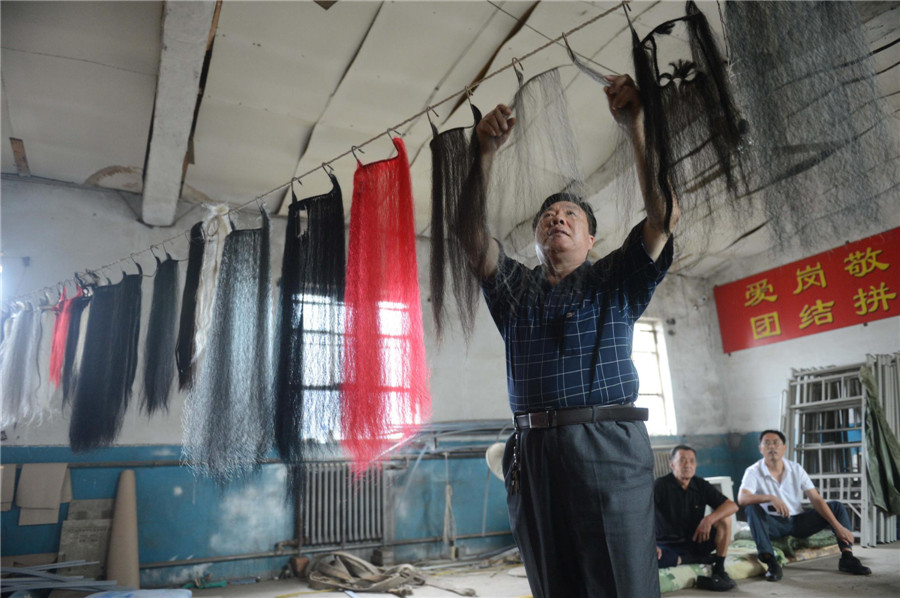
<point>228,417</point>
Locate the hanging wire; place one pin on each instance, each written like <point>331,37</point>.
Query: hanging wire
<point>724,33</point>
<point>358,147</point>
<point>556,41</point>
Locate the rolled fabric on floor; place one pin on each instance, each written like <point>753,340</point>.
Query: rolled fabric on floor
<point>122,560</point>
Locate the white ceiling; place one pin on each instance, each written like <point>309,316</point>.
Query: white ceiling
<point>290,85</point>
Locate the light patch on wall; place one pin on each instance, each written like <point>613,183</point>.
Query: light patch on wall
<point>177,491</point>
<point>167,577</point>
<point>166,452</point>
<point>258,505</point>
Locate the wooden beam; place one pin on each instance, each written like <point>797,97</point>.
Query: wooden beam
<point>18,148</point>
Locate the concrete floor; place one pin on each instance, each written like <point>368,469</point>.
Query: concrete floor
<point>820,577</point>
<point>810,579</point>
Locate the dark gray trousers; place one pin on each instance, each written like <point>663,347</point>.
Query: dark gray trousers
<point>582,514</point>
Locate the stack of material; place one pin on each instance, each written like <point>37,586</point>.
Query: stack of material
<point>39,578</point>
<point>85,535</point>
<point>42,488</point>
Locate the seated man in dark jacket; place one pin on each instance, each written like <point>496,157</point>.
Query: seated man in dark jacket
<point>684,533</point>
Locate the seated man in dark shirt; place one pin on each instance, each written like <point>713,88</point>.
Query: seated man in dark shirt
<point>684,534</point>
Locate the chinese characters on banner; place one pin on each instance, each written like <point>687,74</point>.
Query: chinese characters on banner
<point>856,283</point>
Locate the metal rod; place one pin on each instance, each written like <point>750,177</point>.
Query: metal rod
<point>314,550</point>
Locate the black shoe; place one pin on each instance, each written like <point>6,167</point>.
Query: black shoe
<point>719,582</point>
<point>851,564</point>
<point>774,572</point>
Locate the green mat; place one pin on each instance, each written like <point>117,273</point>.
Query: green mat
<point>742,563</point>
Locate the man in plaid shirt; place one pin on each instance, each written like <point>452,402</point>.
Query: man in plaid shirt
<point>579,468</point>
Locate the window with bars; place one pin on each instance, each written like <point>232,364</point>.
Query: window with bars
<point>323,347</point>
<point>650,359</point>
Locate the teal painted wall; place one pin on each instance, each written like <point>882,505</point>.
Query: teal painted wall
<point>182,517</point>
<point>720,454</point>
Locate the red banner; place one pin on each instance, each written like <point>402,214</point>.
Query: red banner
<point>850,285</point>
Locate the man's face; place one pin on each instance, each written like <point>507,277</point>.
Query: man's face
<point>684,465</point>
<point>563,228</point>
<point>771,447</point>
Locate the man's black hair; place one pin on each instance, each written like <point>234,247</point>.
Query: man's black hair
<point>780,435</point>
<point>558,197</point>
<point>681,447</point>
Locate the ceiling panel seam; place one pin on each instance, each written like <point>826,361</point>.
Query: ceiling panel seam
<point>304,146</point>
<point>450,70</point>
<point>85,60</point>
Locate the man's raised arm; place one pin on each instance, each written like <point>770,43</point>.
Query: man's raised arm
<point>493,130</point>
<point>625,106</point>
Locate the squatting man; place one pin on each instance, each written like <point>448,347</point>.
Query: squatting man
<point>772,491</point>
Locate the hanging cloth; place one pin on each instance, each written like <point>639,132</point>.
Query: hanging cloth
<point>159,341</point>
<point>386,380</point>
<point>539,159</point>
<point>19,375</point>
<point>184,351</point>
<point>60,333</point>
<point>227,420</point>
<point>822,139</point>
<point>882,459</point>
<point>216,227</point>
<point>452,158</point>
<point>74,341</point>
<point>108,364</point>
<point>311,323</point>
<point>692,128</point>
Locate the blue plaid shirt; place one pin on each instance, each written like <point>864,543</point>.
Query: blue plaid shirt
<point>569,345</point>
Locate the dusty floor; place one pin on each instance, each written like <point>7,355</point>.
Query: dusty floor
<point>810,579</point>
<point>820,577</point>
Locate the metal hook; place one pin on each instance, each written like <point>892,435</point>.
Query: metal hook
<point>395,131</point>
<point>520,74</point>
<point>326,166</point>
<point>353,150</point>
<point>163,245</point>
<point>293,193</point>
<point>428,111</point>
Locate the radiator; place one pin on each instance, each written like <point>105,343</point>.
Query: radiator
<point>661,460</point>
<point>340,509</point>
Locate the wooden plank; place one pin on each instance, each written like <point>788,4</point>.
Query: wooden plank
<point>18,148</point>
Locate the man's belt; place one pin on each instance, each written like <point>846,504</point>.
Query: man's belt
<point>550,418</point>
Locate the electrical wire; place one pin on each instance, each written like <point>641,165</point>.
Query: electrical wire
<point>466,90</point>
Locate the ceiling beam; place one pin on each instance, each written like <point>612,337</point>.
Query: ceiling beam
<point>186,31</point>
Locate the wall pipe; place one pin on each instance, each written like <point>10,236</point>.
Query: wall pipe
<point>395,463</point>
<point>288,553</point>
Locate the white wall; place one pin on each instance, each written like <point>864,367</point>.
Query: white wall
<point>66,228</point>
<point>753,379</point>
<point>691,338</point>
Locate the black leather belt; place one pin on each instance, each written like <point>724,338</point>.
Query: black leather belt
<point>550,418</point>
